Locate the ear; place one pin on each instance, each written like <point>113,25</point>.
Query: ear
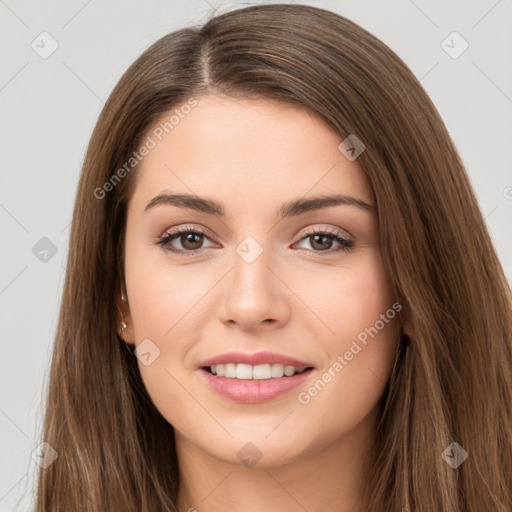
<point>123,315</point>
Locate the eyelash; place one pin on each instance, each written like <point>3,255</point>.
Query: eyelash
<point>164,241</point>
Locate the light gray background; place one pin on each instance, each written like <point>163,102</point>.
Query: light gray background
<point>49,107</point>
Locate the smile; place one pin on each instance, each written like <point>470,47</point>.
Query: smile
<point>253,389</point>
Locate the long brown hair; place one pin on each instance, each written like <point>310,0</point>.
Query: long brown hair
<point>452,380</point>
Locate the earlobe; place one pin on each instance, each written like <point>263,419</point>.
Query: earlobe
<point>123,329</point>
<point>124,332</point>
<point>123,326</point>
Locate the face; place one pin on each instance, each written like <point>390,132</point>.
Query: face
<point>249,280</point>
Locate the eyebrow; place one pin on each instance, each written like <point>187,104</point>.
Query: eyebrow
<point>289,209</point>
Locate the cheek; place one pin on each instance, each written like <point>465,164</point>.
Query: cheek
<point>162,308</point>
<point>348,299</point>
<point>159,295</point>
<point>168,306</point>
<point>360,342</point>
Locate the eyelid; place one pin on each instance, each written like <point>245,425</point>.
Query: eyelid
<point>324,228</point>
<point>188,227</point>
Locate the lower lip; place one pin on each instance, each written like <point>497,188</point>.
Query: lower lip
<point>254,391</point>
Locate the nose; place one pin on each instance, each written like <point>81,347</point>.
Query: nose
<point>254,295</point>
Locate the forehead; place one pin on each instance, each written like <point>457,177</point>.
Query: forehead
<point>246,151</point>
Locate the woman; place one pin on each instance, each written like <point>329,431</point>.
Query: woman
<point>278,278</point>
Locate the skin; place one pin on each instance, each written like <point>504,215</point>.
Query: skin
<point>258,155</point>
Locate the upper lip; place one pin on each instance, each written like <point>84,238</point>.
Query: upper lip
<point>254,358</point>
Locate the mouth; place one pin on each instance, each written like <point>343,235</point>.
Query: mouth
<point>254,384</point>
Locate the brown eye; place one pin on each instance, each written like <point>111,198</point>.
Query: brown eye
<point>189,241</point>
<point>322,241</point>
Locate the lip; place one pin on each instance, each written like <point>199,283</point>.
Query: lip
<point>254,359</point>
<point>253,391</point>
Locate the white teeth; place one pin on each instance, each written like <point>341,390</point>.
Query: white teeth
<point>261,371</point>
<point>289,371</point>
<point>277,370</point>
<point>243,371</point>
<point>230,370</point>
<point>257,372</point>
